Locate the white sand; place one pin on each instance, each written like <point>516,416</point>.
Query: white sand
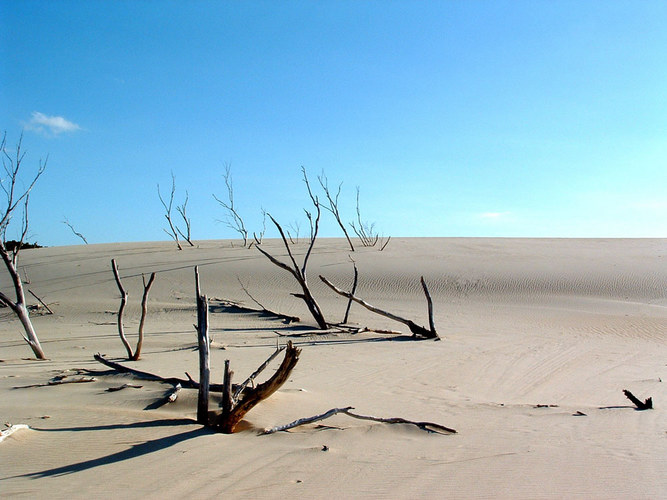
<point>524,322</point>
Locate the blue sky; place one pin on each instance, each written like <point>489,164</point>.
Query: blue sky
<point>455,118</point>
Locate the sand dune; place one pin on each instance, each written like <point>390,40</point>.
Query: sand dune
<point>535,333</point>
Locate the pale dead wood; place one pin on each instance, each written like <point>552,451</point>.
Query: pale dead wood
<point>121,309</point>
<point>233,219</point>
<point>144,308</point>
<point>414,328</point>
<point>5,433</point>
<point>12,166</point>
<point>59,381</point>
<point>76,233</point>
<point>425,426</point>
<point>40,301</point>
<point>333,204</point>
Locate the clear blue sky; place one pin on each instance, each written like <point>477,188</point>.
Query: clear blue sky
<point>455,118</point>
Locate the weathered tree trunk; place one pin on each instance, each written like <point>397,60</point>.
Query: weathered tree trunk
<point>204,361</point>
<point>19,306</point>
<point>144,310</point>
<point>229,418</point>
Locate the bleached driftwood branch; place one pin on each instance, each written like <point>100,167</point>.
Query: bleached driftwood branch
<point>425,426</point>
<point>11,430</point>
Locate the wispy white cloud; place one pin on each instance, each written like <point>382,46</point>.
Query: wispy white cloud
<point>493,215</point>
<point>54,125</point>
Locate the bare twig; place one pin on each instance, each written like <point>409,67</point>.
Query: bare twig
<point>40,301</point>
<point>333,205</point>
<point>233,219</point>
<point>67,223</point>
<point>173,233</point>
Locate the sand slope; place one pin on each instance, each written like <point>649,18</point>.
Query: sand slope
<point>525,324</point>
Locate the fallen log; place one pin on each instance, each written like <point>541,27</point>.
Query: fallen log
<point>59,381</point>
<point>425,426</point>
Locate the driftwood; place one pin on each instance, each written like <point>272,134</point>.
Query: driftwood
<point>124,386</point>
<point>41,301</point>
<point>414,327</point>
<point>169,397</point>
<point>234,410</point>
<point>63,379</point>
<point>425,426</point>
<point>123,302</point>
<point>11,430</point>
<point>647,404</point>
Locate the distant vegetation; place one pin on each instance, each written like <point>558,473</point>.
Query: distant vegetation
<point>11,245</point>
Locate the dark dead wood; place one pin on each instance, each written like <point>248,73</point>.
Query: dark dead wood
<point>287,318</point>
<point>204,362</point>
<point>186,383</point>
<point>124,386</point>
<point>647,404</point>
<point>425,426</point>
<point>251,378</point>
<point>414,327</point>
<point>250,397</point>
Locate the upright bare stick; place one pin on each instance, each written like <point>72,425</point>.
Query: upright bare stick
<point>233,219</point>
<point>204,361</point>
<point>144,309</point>
<point>333,204</point>
<point>123,303</point>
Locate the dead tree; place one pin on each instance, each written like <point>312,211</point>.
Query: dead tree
<point>417,330</point>
<point>365,231</point>
<point>133,356</point>
<point>232,219</point>
<point>76,233</point>
<point>333,204</point>
<point>299,273</point>
<point>10,257</point>
<point>173,232</point>
<point>181,209</point>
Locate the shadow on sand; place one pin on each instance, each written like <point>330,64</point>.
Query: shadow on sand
<point>134,451</point>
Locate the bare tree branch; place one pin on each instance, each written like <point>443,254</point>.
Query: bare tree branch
<point>67,223</point>
<point>233,219</point>
<point>333,205</point>
<point>168,207</point>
